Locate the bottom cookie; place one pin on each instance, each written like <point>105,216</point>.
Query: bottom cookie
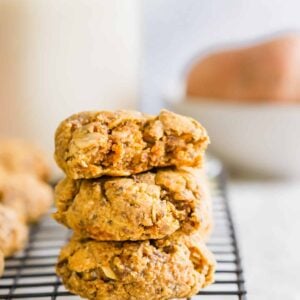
<point>174,267</point>
<point>13,232</point>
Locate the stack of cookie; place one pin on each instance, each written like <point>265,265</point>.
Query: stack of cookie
<point>136,200</point>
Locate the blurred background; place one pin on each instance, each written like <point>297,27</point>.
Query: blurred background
<point>234,65</point>
<point>177,31</point>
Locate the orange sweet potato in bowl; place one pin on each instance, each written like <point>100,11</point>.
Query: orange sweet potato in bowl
<point>265,72</point>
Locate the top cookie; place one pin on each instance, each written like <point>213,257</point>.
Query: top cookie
<point>122,143</point>
<point>18,156</point>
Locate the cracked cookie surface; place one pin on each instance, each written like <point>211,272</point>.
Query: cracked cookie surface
<point>174,267</point>
<point>122,143</point>
<point>149,205</point>
<point>13,232</point>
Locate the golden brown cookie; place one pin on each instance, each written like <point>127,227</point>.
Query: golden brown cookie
<point>20,156</point>
<point>27,195</point>
<point>174,267</point>
<point>149,205</point>
<point>13,232</point>
<point>1,263</point>
<point>122,143</point>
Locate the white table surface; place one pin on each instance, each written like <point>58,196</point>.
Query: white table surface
<point>267,217</point>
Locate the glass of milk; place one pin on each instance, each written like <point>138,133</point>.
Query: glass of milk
<point>58,57</point>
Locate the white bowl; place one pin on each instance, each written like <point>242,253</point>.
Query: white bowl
<point>258,139</point>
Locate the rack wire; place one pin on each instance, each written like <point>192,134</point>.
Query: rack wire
<point>31,275</point>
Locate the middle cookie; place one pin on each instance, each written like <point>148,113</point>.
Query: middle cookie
<point>149,205</point>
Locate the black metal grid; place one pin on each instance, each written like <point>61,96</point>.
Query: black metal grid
<point>30,274</point>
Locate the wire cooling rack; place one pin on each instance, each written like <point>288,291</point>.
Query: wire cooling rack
<point>31,275</point>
